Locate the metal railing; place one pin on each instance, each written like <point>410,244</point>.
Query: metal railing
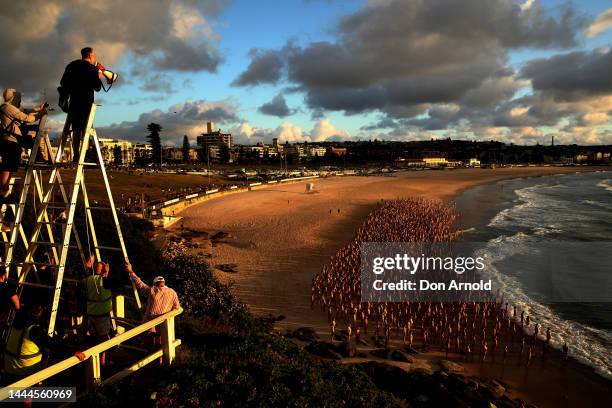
<point>92,356</point>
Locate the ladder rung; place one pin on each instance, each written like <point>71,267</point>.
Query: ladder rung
<point>35,264</point>
<point>107,248</point>
<point>57,207</point>
<point>37,285</point>
<point>99,208</point>
<point>56,244</point>
<point>62,165</point>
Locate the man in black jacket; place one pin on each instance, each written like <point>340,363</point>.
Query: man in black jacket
<point>81,78</point>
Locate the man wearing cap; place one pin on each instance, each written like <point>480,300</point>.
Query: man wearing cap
<point>161,299</point>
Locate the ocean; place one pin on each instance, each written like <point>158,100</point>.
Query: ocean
<point>514,217</point>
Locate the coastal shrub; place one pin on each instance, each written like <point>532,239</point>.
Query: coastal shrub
<point>201,294</point>
<point>256,370</point>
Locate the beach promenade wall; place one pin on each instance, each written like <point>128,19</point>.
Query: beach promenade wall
<point>171,209</point>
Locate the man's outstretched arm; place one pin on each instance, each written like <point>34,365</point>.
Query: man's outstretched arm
<point>137,281</point>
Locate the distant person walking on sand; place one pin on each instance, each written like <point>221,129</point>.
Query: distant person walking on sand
<point>81,79</point>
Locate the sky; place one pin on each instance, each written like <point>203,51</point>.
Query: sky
<point>517,71</point>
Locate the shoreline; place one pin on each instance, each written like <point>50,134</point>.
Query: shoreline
<point>279,247</point>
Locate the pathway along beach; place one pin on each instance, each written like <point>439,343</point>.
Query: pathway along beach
<point>280,237</point>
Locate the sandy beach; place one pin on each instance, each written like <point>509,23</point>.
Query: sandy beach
<point>280,236</point>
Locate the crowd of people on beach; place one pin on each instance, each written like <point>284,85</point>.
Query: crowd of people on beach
<point>473,329</point>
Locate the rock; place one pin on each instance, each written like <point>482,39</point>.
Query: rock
<point>451,367</point>
<point>231,267</point>
<point>387,377</point>
<point>380,353</point>
<point>506,402</point>
<point>411,350</point>
<point>220,235</point>
<point>422,398</point>
<point>399,355</point>
<point>323,349</point>
<point>487,394</point>
<point>346,349</point>
<point>497,388</point>
<point>305,334</point>
<point>341,335</point>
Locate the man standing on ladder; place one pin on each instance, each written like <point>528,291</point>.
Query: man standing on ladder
<point>81,78</point>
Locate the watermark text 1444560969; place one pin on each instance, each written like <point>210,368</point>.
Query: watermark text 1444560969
<point>42,394</point>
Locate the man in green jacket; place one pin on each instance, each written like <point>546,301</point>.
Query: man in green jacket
<point>99,302</point>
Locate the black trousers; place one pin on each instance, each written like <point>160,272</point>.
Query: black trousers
<point>78,117</point>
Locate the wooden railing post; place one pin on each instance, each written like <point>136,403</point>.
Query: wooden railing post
<point>167,340</point>
<point>119,305</point>
<point>94,374</point>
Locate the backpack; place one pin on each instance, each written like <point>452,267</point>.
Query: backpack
<point>64,98</point>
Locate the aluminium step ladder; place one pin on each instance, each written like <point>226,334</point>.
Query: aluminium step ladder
<point>45,192</point>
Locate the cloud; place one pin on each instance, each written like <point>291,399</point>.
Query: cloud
<point>38,38</point>
<point>602,23</point>
<point>264,68</point>
<point>157,82</point>
<point>187,118</point>
<point>527,5</point>
<point>395,56</point>
<point>573,75</point>
<point>324,130</point>
<point>276,107</point>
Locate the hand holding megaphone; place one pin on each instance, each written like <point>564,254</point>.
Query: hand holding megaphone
<point>109,75</point>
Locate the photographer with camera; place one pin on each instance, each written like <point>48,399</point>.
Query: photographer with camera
<point>81,78</point>
<point>13,119</point>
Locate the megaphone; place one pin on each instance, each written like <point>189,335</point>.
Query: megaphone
<point>110,76</point>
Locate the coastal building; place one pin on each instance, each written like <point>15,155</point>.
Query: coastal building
<point>172,153</point>
<point>142,152</point>
<point>110,147</point>
<point>581,157</point>
<point>474,162</point>
<point>414,162</point>
<point>434,161</point>
<point>214,144</point>
<point>193,154</point>
<point>316,151</point>
<point>338,151</point>
<point>214,137</point>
